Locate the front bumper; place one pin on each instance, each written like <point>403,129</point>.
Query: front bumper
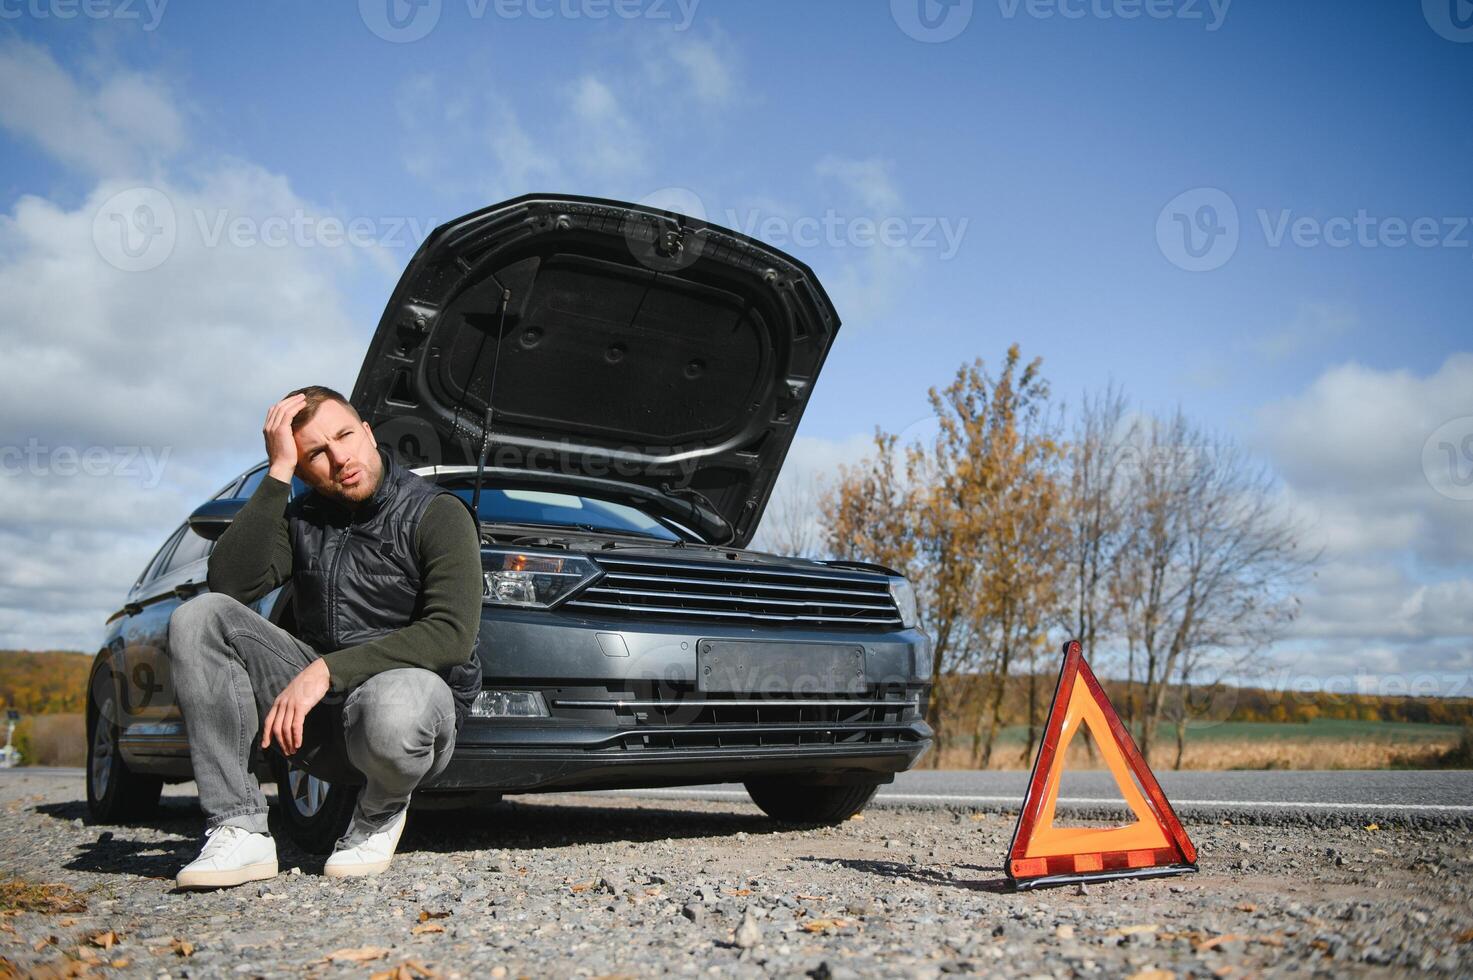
<point>628,709</point>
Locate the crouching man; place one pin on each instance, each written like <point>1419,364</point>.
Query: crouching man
<point>386,580</point>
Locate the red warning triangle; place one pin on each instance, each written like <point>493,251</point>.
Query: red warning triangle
<point>1042,854</point>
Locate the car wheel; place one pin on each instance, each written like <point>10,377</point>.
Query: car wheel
<point>314,812</point>
<point>792,800</point>
<point>114,792</point>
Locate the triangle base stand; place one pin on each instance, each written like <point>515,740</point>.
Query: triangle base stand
<point>1085,878</point>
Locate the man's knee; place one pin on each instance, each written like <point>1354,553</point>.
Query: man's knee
<point>399,715</point>
<point>203,612</point>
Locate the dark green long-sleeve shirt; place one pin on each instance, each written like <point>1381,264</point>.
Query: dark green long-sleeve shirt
<point>254,556</point>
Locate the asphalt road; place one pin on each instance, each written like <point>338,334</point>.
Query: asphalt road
<point>1259,797</point>
<point>1429,797</point>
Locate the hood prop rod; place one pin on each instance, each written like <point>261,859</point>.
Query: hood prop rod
<point>490,401</point>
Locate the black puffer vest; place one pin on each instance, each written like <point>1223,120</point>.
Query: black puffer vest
<point>356,573</point>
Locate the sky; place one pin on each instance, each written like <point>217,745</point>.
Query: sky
<point>1258,212</point>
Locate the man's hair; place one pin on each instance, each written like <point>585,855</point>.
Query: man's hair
<point>316,395</point>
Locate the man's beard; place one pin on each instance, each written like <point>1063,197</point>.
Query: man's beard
<point>355,494</point>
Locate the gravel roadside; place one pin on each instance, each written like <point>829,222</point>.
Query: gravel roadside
<point>617,886</point>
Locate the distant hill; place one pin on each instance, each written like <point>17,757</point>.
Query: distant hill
<point>44,682</point>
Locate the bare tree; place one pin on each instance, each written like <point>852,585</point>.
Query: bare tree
<point>793,522</point>
<point>1208,562</point>
<point>1096,512</point>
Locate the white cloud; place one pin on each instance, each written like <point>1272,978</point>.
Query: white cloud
<point>1394,595</point>
<point>612,144</point>
<point>122,123</point>
<point>869,276</point>
<point>162,376</point>
<point>685,65</point>
<point>1351,448</point>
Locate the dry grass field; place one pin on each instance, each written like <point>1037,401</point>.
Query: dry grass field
<point>1266,745</point>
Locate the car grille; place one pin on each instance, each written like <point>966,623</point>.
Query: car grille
<point>659,718</point>
<point>738,594</point>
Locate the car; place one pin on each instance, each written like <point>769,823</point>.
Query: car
<point>613,389</point>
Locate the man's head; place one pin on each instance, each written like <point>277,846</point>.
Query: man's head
<point>336,452</point>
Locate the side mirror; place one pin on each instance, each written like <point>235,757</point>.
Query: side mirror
<point>212,518</point>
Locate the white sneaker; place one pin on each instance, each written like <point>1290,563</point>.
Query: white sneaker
<point>370,855</point>
<point>231,856</point>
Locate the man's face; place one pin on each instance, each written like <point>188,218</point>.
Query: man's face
<point>337,455</point>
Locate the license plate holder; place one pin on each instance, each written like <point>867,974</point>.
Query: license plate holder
<point>780,668</point>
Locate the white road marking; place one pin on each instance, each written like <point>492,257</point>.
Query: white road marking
<point>1081,801</point>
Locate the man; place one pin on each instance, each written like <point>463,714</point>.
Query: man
<point>386,573</point>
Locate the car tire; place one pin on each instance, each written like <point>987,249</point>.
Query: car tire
<point>115,793</point>
<point>792,800</point>
<point>314,812</point>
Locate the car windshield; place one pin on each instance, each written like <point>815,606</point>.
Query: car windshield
<point>571,510</point>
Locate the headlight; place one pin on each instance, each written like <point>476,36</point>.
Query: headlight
<point>905,601</point>
<point>532,579</point>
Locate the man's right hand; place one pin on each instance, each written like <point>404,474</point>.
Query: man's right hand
<point>281,445</point>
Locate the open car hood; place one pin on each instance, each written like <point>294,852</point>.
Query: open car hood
<point>610,341</point>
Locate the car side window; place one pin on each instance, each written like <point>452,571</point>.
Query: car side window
<point>252,481</point>
<point>226,491</point>
<point>157,562</point>
<point>192,547</point>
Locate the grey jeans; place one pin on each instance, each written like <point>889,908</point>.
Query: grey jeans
<point>229,663</point>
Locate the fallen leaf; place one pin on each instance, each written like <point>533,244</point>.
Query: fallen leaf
<point>426,915</point>
<point>809,898</point>
<point>49,898</point>
<point>825,925</point>
<point>1135,930</point>
<point>1373,826</point>
<point>119,964</point>
<point>408,970</point>
<point>652,891</point>
<point>357,954</point>
<point>1466,936</point>
<point>1246,907</point>
<point>1217,941</point>
<point>1152,975</point>
<point>182,947</point>
<point>739,892</point>
<point>68,921</point>
<point>426,927</point>
<point>104,940</point>
<point>582,886</point>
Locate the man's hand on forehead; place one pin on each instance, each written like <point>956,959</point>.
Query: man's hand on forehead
<point>281,442</point>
